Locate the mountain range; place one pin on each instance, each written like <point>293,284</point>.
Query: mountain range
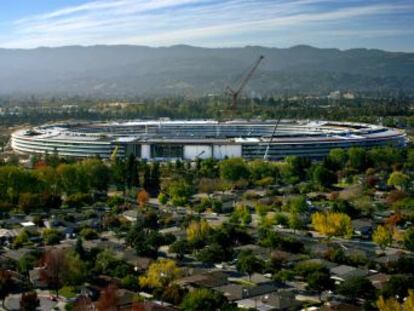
<point>122,71</point>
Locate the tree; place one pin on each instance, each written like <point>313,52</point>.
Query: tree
<point>29,301</point>
<point>160,274</point>
<point>132,176</point>
<point>180,248</point>
<point>323,177</point>
<point>357,287</point>
<point>72,178</point>
<point>409,239</point>
<point>397,286</point>
<point>79,249</point>
<point>409,302</point>
<point>145,240</point>
<point>392,304</point>
<point>336,159</point>
<point>241,214</point>
<point>399,180</point>
<point>173,294</point>
<point>203,299</point>
<point>97,174</point>
<point>108,299</point>
<point>260,169</point>
<point>83,303</point>
<point>89,233</point>
<point>162,198</point>
<point>296,204</point>
<point>332,224</point>
<point>294,221</point>
<point>248,263</point>
<point>357,158</point>
<point>21,239</point>
<point>61,267</point>
<point>179,191</point>
<point>155,179</point>
<point>25,264</point>
<point>51,236</point>
<point>147,177</point>
<point>234,169</point>
<point>142,198</point>
<point>382,236</point>
<point>214,253</point>
<point>320,280</point>
<point>197,232</point>
<point>6,284</point>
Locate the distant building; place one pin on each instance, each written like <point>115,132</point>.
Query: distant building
<point>190,140</point>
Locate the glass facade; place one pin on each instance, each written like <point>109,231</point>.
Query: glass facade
<point>167,151</point>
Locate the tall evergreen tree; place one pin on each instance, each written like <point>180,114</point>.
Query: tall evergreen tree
<point>131,172</point>
<point>147,178</point>
<point>155,179</point>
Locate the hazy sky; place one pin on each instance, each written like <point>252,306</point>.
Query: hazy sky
<point>343,24</point>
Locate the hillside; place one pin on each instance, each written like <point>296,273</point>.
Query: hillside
<point>184,70</point>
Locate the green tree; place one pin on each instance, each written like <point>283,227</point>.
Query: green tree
<point>357,158</point>
<point>336,159</point>
<point>180,248</point>
<point>260,169</point>
<point>143,239</point>
<point>399,180</point>
<point>51,236</point>
<point>213,253</point>
<point>25,264</point>
<point>320,280</point>
<point>323,177</point>
<point>97,174</point>
<point>357,287</point>
<point>89,234</point>
<point>147,177</point>
<point>155,184</point>
<point>132,176</point>
<point>79,249</point>
<point>234,169</point>
<point>241,215</point>
<point>296,204</point>
<point>21,239</point>
<point>248,263</point>
<point>179,191</point>
<point>397,286</point>
<point>295,222</point>
<point>162,198</point>
<point>203,299</point>
<point>409,239</point>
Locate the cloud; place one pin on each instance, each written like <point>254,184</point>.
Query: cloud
<point>166,22</point>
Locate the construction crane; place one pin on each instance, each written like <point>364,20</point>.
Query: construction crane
<point>235,93</point>
<point>266,155</point>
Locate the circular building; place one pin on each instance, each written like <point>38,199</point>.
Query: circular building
<point>189,140</point>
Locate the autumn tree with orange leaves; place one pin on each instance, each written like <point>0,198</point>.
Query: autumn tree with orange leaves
<point>108,300</point>
<point>142,198</point>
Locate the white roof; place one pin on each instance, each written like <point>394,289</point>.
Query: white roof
<point>28,224</point>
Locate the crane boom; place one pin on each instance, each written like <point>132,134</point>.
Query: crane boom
<point>266,155</point>
<point>235,93</point>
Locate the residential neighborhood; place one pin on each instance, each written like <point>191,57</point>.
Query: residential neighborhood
<point>209,235</point>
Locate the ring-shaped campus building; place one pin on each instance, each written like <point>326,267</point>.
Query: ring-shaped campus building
<point>189,140</point>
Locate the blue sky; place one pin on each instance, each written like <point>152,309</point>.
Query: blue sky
<point>342,24</point>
